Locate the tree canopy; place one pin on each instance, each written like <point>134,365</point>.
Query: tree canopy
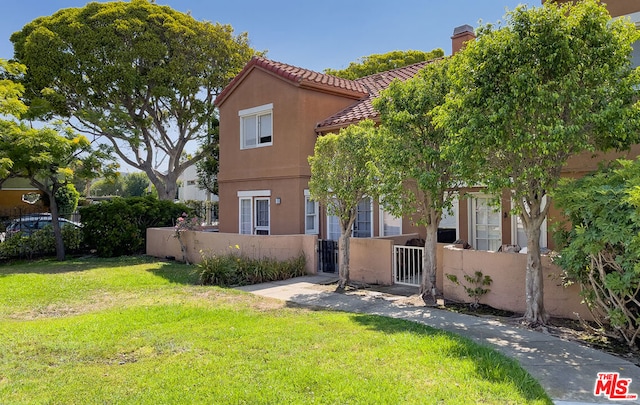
<point>554,81</point>
<point>49,157</point>
<point>414,176</point>
<point>142,76</point>
<point>342,174</point>
<point>376,63</point>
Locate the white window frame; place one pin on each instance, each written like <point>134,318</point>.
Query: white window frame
<point>252,196</point>
<point>514,227</point>
<point>257,112</point>
<point>381,216</point>
<point>473,220</point>
<point>315,226</point>
<point>329,217</point>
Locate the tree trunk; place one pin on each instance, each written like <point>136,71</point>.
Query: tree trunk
<point>343,262</point>
<point>534,279</point>
<point>55,223</point>
<point>428,290</point>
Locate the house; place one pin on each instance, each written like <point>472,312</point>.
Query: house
<point>270,116</point>
<point>272,113</point>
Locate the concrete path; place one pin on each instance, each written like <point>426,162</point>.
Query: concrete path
<point>567,371</point>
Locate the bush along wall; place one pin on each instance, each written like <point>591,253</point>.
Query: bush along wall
<point>227,270</point>
<point>119,227</point>
<point>600,245</point>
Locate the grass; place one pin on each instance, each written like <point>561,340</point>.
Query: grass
<point>138,331</point>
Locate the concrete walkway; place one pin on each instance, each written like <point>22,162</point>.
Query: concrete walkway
<point>567,371</point>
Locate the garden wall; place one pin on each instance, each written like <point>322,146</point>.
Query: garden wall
<point>161,242</point>
<point>507,270</point>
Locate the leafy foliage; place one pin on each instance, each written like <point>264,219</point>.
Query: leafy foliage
<point>600,249</point>
<point>48,157</point>
<point>414,176</point>
<point>136,184</point>
<point>342,174</point>
<point>41,243</point>
<point>118,227</point>
<point>234,269</point>
<point>474,285</point>
<point>207,168</point>
<point>554,81</point>
<point>143,76</point>
<point>376,63</point>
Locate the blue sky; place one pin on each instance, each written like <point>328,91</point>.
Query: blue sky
<point>311,34</point>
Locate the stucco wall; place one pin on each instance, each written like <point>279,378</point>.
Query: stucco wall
<point>162,243</point>
<point>281,167</point>
<point>507,270</point>
<point>371,260</point>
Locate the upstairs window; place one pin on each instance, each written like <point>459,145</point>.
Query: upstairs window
<point>256,126</point>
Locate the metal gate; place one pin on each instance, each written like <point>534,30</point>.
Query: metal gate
<point>407,265</point>
<point>327,256</point>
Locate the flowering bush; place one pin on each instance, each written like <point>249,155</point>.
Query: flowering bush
<point>183,223</point>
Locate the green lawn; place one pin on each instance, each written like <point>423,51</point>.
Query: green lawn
<point>138,331</point>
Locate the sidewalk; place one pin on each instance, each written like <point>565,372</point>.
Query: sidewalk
<point>567,371</point>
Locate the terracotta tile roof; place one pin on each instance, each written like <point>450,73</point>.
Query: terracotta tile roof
<point>363,109</point>
<point>298,76</point>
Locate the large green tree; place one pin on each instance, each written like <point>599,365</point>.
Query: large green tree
<point>141,76</point>
<point>415,178</point>
<point>376,63</point>
<point>552,82</point>
<point>342,174</point>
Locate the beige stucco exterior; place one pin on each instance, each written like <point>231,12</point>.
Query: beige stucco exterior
<point>162,243</point>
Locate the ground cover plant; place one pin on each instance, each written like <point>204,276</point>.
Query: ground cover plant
<point>136,330</point>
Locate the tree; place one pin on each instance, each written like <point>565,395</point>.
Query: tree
<point>554,81</point>
<point>112,186</point>
<point>46,156</point>
<point>376,63</point>
<point>415,178</point>
<point>341,176</point>
<point>136,184</point>
<point>600,250</point>
<point>141,76</point>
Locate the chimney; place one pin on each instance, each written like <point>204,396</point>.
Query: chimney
<point>461,35</point>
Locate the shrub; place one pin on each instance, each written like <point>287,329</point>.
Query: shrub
<point>232,269</point>
<point>118,227</point>
<point>600,247</point>
<point>475,287</point>
<point>41,243</point>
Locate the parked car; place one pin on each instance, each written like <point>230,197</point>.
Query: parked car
<point>29,224</point>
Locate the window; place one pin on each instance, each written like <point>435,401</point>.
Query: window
<point>518,234</point>
<point>389,224</point>
<point>486,228</point>
<point>362,227</point>
<point>256,126</point>
<point>254,212</point>
<point>310,215</point>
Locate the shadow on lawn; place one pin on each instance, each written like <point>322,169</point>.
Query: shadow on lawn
<point>52,266</point>
<point>489,364</point>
